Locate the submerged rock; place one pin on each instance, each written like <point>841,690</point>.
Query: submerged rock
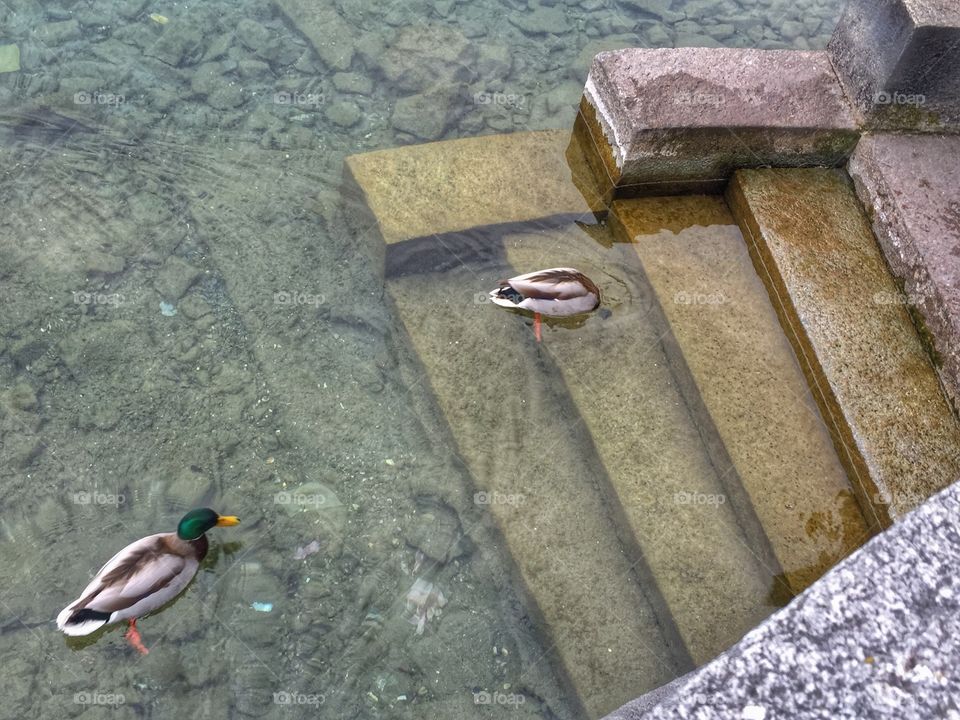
<point>100,263</point>
<point>425,57</point>
<point>22,397</point>
<point>252,34</point>
<point>494,61</point>
<point>344,114</point>
<point>56,32</point>
<point>353,83</point>
<point>176,277</point>
<point>181,43</point>
<point>437,533</point>
<point>542,21</point>
<point>423,115</point>
<point>331,37</point>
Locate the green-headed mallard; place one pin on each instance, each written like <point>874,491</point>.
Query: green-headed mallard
<point>556,292</point>
<point>142,577</point>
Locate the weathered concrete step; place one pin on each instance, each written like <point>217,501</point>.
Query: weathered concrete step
<point>761,423</point>
<point>911,187</point>
<point>714,580</point>
<point>899,62</point>
<point>528,452</point>
<point>845,318</point>
<point>674,117</point>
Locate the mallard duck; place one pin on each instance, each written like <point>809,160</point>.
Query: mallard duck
<point>142,577</point>
<point>556,292</point>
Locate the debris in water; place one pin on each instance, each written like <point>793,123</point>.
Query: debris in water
<point>9,58</point>
<point>159,19</point>
<point>262,606</point>
<point>424,602</point>
<point>167,309</point>
<point>311,548</point>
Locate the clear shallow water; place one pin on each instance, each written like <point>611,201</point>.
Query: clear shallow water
<point>283,388</point>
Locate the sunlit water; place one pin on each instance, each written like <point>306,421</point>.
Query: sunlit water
<point>188,321</point>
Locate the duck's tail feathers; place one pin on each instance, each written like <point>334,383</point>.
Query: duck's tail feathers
<point>81,622</point>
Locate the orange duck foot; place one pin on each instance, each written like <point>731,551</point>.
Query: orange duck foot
<point>133,637</point>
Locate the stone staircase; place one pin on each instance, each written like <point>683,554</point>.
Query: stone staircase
<point>660,472</point>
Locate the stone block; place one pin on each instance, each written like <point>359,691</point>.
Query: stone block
<point>910,185</point>
<point>899,61</point>
<point>694,115</point>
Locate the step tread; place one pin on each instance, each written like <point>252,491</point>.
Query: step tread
<point>513,435</point>
<point>454,185</point>
<point>750,384</point>
<point>834,293</point>
<point>711,580</point>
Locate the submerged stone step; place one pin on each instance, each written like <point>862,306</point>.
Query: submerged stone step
<point>762,424</point>
<point>454,185</point>
<point>715,581</point>
<point>845,317</point>
<point>535,473</point>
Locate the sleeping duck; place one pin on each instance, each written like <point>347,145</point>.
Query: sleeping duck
<point>142,577</point>
<point>556,292</point>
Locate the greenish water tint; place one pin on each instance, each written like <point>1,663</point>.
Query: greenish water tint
<point>187,321</point>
